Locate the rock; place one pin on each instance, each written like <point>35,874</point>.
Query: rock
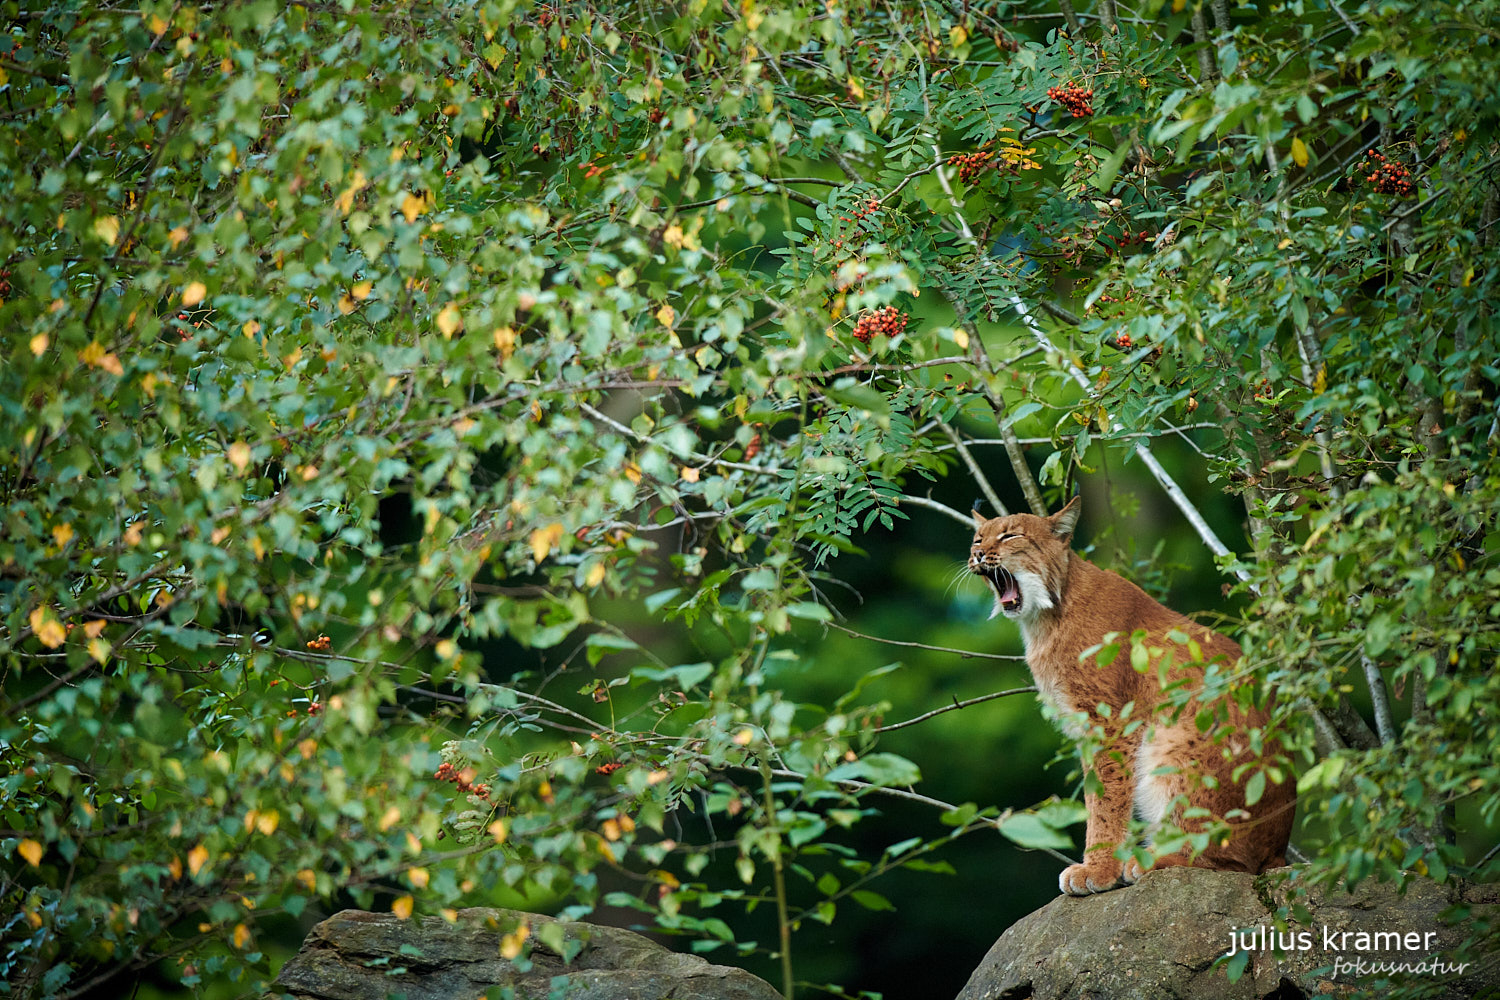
<point>354,955</point>
<point>1159,940</point>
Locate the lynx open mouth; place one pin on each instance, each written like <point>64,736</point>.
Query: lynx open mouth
<point>1007,590</point>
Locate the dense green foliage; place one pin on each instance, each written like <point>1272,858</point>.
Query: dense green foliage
<point>435,431</point>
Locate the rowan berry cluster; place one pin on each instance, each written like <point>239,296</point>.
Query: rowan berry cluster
<point>609,768</point>
<point>321,644</point>
<point>1123,341</point>
<point>1130,238</point>
<point>1078,100</point>
<point>1386,176</point>
<point>971,165</point>
<point>4,284</point>
<point>463,779</point>
<point>867,208</point>
<point>887,320</point>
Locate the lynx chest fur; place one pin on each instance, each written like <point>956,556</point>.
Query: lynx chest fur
<point>1154,759</point>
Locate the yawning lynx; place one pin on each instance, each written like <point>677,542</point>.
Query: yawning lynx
<point>1150,756</point>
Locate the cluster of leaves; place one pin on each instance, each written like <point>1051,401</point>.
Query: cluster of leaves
<point>346,347</point>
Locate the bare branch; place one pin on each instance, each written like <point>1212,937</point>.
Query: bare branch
<point>941,508</point>
<point>1207,71</point>
<point>975,471</point>
<point>967,654</point>
<point>1383,725</point>
<point>1168,484</point>
<point>955,706</point>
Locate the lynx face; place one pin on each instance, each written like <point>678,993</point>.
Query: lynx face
<point>1022,557</point>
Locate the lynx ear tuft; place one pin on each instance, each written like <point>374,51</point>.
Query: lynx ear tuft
<point>1065,520</point>
<point>979,518</point>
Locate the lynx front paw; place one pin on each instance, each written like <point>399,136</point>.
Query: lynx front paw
<point>1132,871</point>
<point>1099,875</point>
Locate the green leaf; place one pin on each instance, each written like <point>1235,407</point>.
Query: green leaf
<point>1030,831</point>
<point>1104,178</point>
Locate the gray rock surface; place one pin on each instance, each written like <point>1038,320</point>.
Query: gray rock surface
<point>1159,939</point>
<point>354,955</point>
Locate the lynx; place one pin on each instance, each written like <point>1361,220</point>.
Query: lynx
<point>1153,758</point>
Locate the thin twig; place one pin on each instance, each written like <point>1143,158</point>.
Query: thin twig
<point>967,654</point>
<point>975,471</point>
<point>1030,688</point>
<point>941,508</point>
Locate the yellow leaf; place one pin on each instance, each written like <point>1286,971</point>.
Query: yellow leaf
<point>611,830</point>
<point>402,907</point>
<point>418,877</point>
<point>497,830</point>
<point>39,344</point>
<point>178,236</point>
<point>99,650</point>
<point>197,858</point>
<point>241,936</point>
<point>362,289</point>
<point>239,455</point>
<point>505,341</point>
<point>47,628</point>
<point>689,474</point>
<point>957,35</point>
<point>267,822</point>
<point>389,818</point>
<point>107,228</point>
<point>447,649</point>
<point>1320,384</point>
<point>595,575</point>
<point>62,534</point>
<point>309,879</point>
<point>194,293</point>
<point>510,944</point>
<point>449,914</point>
<point>346,305</point>
<point>448,321</point>
<point>251,328</point>
<point>1299,152</point>
<point>856,89</point>
<point>543,539</point>
<point>94,628</point>
<point>961,338</point>
<point>412,206</point>
<point>31,851</point>
<point>666,315</point>
<point>175,867</point>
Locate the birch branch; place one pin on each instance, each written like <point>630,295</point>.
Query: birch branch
<point>975,471</point>
<point>1168,484</point>
<point>1018,465</point>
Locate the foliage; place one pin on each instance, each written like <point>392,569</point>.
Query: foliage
<point>356,357</point>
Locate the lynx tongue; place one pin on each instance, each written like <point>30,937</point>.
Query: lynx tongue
<point>1006,589</point>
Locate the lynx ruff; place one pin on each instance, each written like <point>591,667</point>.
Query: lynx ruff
<point>1065,606</point>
